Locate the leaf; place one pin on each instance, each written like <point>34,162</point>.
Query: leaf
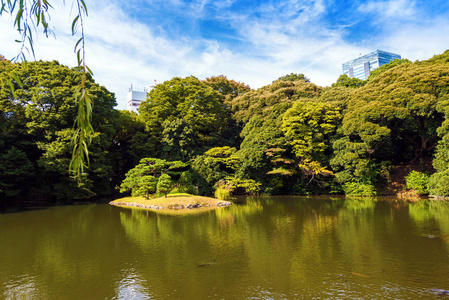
<point>76,45</point>
<point>89,70</point>
<point>74,23</point>
<point>11,86</point>
<point>84,6</point>
<point>17,79</point>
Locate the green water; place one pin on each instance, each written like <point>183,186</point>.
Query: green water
<point>267,248</point>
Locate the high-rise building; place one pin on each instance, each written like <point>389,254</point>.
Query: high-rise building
<point>135,98</point>
<point>363,65</point>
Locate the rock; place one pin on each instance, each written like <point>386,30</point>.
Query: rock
<point>223,203</point>
<point>440,292</point>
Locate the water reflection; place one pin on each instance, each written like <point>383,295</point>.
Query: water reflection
<point>266,248</point>
<point>18,287</point>
<point>132,286</point>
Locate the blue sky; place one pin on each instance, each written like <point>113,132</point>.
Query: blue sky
<point>138,41</point>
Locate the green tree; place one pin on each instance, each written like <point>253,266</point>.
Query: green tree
<point>260,112</point>
<point>15,171</point>
<point>139,183</point>
<point>345,81</point>
<point>184,98</point>
<point>178,140</point>
<point>185,184</point>
<point>214,165</point>
<point>164,184</point>
<point>128,127</point>
<point>387,67</point>
<point>294,77</point>
<point>309,126</point>
<point>229,88</point>
<point>394,118</point>
<point>141,180</point>
<point>35,14</point>
<point>38,119</point>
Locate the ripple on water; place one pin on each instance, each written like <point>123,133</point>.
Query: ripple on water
<point>131,286</point>
<point>21,287</point>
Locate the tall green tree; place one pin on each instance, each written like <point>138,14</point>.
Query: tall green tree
<point>178,140</point>
<point>214,165</point>
<point>260,112</point>
<point>310,128</point>
<point>227,89</point>
<point>38,118</point>
<point>184,98</point>
<point>34,14</point>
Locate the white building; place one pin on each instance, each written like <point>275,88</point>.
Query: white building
<point>135,98</point>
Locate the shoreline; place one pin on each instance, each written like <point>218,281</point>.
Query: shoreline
<point>177,202</point>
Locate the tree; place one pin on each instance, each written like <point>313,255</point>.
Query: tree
<point>185,183</point>
<point>189,99</point>
<point>141,180</point>
<point>227,87</point>
<point>139,183</point>
<point>386,67</point>
<point>127,126</point>
<point>393,118</point>
<point>164,184</point>
<point>294,77</point>
<point>31,15</point>
<point>38,119</point>
<point>345,81</point>
<point>178,140</point>
<point>15,171</point>
<point>260,112</point>
<point>310,127</point>
<point>214,165</point>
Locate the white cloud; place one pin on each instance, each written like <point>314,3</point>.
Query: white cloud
<point>417,42</point>
<point>397,9</point>
<point>274,41</point>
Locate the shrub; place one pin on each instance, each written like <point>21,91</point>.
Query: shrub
<point>439,184</point>
<point>223,190</point>
<point>222,193</point>
<point>417,181</point>
<point>359,189</point>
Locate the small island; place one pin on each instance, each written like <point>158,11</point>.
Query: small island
<point>178,201</point>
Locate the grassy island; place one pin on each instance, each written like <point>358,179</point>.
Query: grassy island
<point>180,202</point>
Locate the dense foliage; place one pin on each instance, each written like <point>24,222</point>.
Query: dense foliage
<point>36,127</point>
<point>289,137</point>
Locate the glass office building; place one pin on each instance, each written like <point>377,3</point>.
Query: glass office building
<point>362,66</point>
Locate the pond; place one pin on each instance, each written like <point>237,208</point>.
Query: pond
<point>265,248</point>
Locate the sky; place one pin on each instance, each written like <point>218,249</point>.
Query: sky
<point>138,42</point>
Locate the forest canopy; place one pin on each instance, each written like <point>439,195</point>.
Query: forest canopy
<point>289,137</point>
